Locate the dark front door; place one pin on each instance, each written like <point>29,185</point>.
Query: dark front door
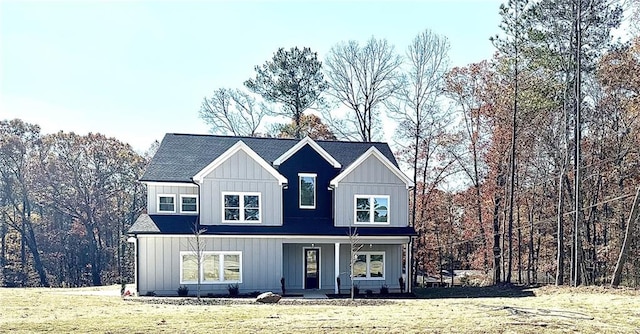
<point>311,268</point>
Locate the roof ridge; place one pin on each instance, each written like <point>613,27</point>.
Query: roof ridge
<point>273,138</point>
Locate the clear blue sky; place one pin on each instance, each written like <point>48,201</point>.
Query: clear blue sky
<point>137,70</point>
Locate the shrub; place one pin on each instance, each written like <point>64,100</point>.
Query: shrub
<point>368,292</point>
<point>183,291</point>
<point>384,289</point>
<point>234,290</point>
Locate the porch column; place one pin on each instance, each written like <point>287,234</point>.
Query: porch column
<point>407,270</point>
<point>336,261</point>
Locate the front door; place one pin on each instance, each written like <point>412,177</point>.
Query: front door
<point>311,268</point>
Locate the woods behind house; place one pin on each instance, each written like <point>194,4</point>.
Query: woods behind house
<point>526,165</point>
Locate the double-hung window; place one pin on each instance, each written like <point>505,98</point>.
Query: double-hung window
<point>371,209</point>
<point>369,265</point>
<point>307,187</point>
<point>189,203</point>
<point>241,207</point>
<point>215,267</point>
<point>167,203</point>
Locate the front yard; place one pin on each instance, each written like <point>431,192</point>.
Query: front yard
<point>486,310</point>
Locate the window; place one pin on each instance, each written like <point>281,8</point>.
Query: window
<point>189,203</point>
<point>241,207</point>
<point>216,267</point>
<point>167,203</point>
<point>307,191</point>
<point>372,209</point>
<point>369,266</point>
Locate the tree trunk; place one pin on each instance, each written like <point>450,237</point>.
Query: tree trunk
<point>628,236</point>
<point>496,240</point>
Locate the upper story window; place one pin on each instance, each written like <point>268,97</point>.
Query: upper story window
<point>189,203</point>
<point>307,185</point>
<point>369,265</point>
<point>167,203</point>
<point>241,207</point>
<point>372,209</point>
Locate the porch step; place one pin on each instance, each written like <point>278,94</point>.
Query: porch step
<point>314,295</point>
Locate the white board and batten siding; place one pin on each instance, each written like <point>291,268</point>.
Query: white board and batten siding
<point>372,177</point>
<point>155,189</point>
<point>159,267</point>
<point>240,173</point>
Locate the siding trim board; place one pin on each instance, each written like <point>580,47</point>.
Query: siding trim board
<point>307,141</point>
<point>373,151</point>
<point>239,146</point>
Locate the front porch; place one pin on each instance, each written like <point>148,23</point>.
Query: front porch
<point>323,266</point>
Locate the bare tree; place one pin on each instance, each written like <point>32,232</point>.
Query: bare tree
<point>423,123</point>
<point>197,246</point>
<point>362,78</point>
<point>232,111</point>
<point>354,247</point>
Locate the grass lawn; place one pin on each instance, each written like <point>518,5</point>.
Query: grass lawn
<point>470,310</point>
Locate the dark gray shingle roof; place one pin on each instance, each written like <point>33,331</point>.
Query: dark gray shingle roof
<point>181,156</point>
<point>184,224</point>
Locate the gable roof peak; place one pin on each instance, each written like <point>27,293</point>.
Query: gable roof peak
<point>373,151</point>
<point>302,143</point>
<point>237,147</point>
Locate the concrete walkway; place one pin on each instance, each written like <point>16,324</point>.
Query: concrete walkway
<point>314,295</point>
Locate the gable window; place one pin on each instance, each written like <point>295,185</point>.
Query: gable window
<point>241,207</point>
<point>216,267</point>
<point>369,265</point>
<point>189,203</point>
<point>307,190</point>
<point>371,209</point>
<point>167,203</point>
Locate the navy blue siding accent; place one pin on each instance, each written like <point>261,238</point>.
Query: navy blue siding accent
<point>307,160</point>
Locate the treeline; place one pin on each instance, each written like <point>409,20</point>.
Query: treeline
<point>549,141</point>
<point>66,202</point>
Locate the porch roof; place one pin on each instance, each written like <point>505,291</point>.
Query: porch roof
<point>183,224</point>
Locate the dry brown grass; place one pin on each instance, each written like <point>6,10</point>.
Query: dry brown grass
<point>549,310</point>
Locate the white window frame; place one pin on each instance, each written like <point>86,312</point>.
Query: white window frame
<point>189,196</point>
<point>372,209</point>
<point>158,203</point>
<point>315,191</point>
<point>221,255</point>
<point>242,217</point>
<point>368,257</point>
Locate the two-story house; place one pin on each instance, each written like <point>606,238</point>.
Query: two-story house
<point>268,209</point>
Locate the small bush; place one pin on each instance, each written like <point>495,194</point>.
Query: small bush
<point>234,289</point>
<point>183,291</point>
<point>384,289</point>
<point>368,292</point>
